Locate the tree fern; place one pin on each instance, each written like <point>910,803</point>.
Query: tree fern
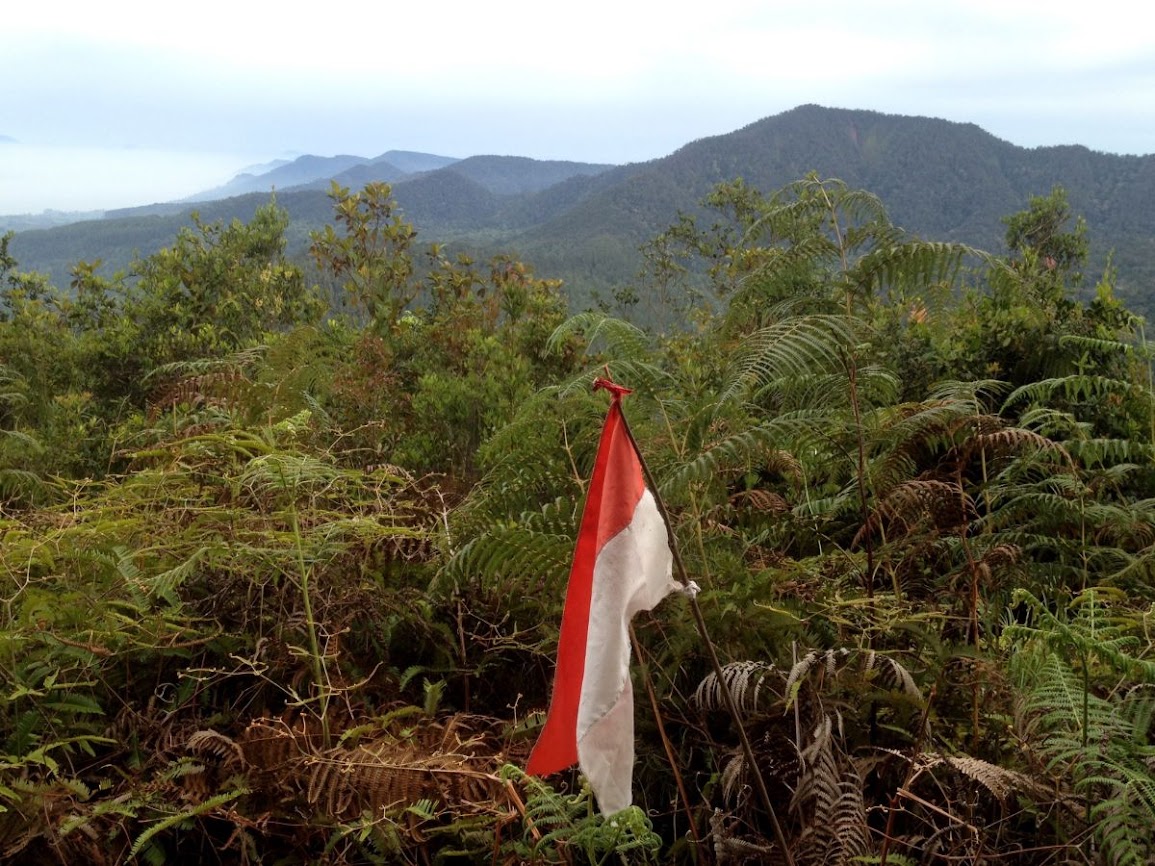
<point>908,265</point>
<point>602,334</point>
<point>797,346</point>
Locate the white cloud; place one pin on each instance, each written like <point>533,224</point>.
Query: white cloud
<point>603,80</point>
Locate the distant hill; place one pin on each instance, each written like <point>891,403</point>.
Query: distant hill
<point>46,219</point>
<point>514,175</point>
<point>377,171</point>
<point>413,163</point>
<point>939,179</point>
<point>387,168</point>
<point>264,167</point>
<point>302,170</point>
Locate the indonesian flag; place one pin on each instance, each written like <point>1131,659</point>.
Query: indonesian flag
<point>622,565</point>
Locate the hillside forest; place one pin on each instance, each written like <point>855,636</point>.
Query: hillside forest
<point>585,223</point>
<point>283,558</point>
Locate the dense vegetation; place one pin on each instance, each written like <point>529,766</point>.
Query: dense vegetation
<point>283,565</point>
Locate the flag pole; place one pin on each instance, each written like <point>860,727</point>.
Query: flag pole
<point>666,744</point>
<point>683,577</point>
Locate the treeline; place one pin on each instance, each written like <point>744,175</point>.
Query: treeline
<point>584,223</point>
<point>283,565</point>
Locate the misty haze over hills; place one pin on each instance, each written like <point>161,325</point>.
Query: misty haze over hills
<point>309,170</point>
<point>583,222</point>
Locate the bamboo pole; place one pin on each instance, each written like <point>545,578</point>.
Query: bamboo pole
<point>684,578</point>
<point>666,744</point>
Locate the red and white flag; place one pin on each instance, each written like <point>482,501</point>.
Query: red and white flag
<point>622,565</point>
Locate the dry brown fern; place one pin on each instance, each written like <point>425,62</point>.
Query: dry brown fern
<point>760,500</point>
<point>214,745</point>
<point>911,505</point>
<point>269,744</point>
<point>729,848</point>
<point>450,763</point>
<point>345,783</point>
<point>1011,440</point>
<point>829,804</point>
<point>192,392</point>
<point>1001,782</point>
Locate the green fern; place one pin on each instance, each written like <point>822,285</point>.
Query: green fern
<point>556,822</point>
<point>212,804</point>
<point>1095,739</point>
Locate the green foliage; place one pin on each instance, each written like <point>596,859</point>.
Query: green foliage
<point>284,586</point>
<point>566,829</point>
<point>1038,236</point>
<point>88,357</point>
<point>219,289</point>
<point>1088,704</point>
<point>182,818</point>
<point>371,256</point>
<point>450,370</point>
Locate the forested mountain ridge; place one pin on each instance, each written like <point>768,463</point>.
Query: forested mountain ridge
<point>583,223</point>
<point>937,178</point>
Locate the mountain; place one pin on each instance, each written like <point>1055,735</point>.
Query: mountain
<point>414,163</point>
<point>939,179</point>
<point>389,167</point>
<point>302,170</point>
<point>262,168</point>
<point>501,175</point>
<point>377,171</point>
<point>514,175</point>
<point>317,172</point>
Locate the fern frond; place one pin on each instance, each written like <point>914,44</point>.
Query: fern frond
<point>1001,782</point>
<point>830,790</point>
<point>913,264</point>
<point>212,804</point>
<point>941,504</point>
<point>514,550</point>
<point>1081,387</point>
<point>796,347</point>
<point>744,680</point>
<point>616,338</point>
<point>216,744</point>
<point>753,448</point>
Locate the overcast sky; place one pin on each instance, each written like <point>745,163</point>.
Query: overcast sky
<point>119,102</point>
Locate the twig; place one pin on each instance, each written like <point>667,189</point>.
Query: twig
<point>892,810</point>
<point>516,798</point>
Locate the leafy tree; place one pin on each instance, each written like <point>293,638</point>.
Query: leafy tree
<point>1039,237</point>
<point>218,289</point>
<point>371,256</point>
<point>449,350</point>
